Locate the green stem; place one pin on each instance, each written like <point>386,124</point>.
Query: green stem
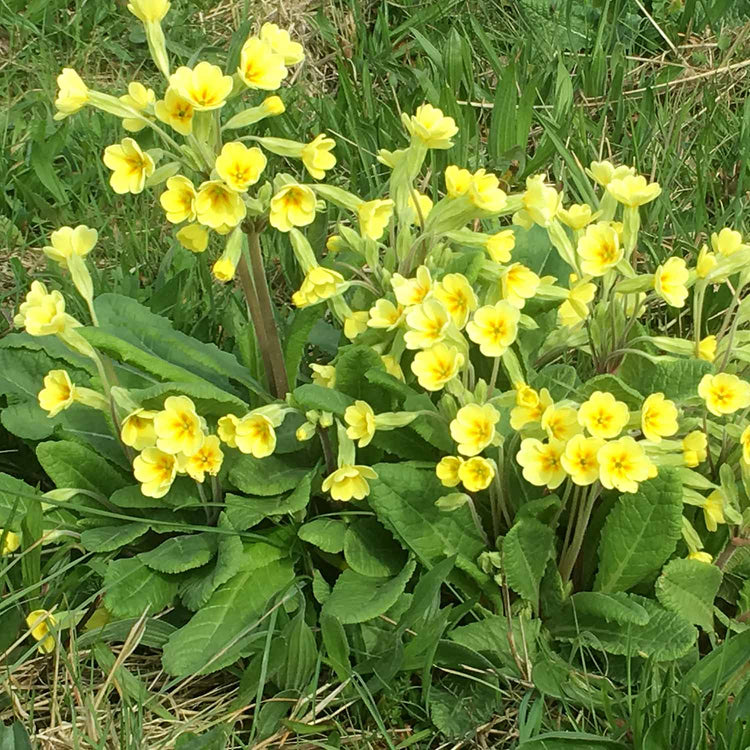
<point>493,377</point>
<point>586,506</point>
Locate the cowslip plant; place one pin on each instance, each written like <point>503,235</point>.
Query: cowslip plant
<point>508,409</point>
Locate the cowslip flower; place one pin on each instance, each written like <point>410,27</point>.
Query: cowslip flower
<point>541,203</point>
<point>599,249</point>
<point>176,112</point>
<point>282,44</point>
<point>457,181</point>
<point>633,190</point>
<point>137,429</point>
<point>500,245</point>
<point>447,470</point>
<point>66,242</point>
<point>149,11</point>
<point>319,284</point>
<point>623,464</point>
<point>604,172</point>
<point>519,284</point>
<point>476,474</point>
<point>745,442</point>
<point>349,482</point>
<point>42,313</point>
<point>292,206</point>
<point>226,429</point>
<point>603,415</point>
<point>217,205</point>
<point>726,242</point>
<point>430,126</point>
<point>58,392</point>
<point>494,328</point>
<point>701,556</point>
<point>658,417</point>
<point>419,208</point>
<point>541,462</point>
<point>580,459</point>
<point>454,292</point>
<point>412,291</point>
<point>11,542</point>
<point>72,95</point>
<point>40,623</point>
<point>204,86</point>
<point>206,460</point>
<point>560,423</point>
<point>178,426</point>
<point>374,217</point>
<point>193,237</point>
<point>575,309</point>
<point>155,470</point>
<point>427,324</point>
<point>384,314</point>
<point>473,428</point>
<point>223,269</point>
<point>707,348</point>
<point>240,166</point>
<point>669,281</point>
<point>436,366</point>
<point>324,375</point>
<point>485,193</point>
<point>530,406</point>
<point>317,156</point>
<point>255,434</point>
<point>706,262</point>
<point>130,166</point>
<point>724,393</point>
<point>694,448</point>
<point>356,324</point>
<point>576,216</point>
<point>178,200</point>
<point>360,420</point>
<point>260,66</point>
<point>393,366</point>
<point>713,510</point>
<point>140,99</point>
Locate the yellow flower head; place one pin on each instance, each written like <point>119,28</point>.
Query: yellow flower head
<point>72,94</point>
<point>58,392</point>
<point>356,324</point>
<point>427,325</point>
<point>217,205</point>
<point>319,284</point>
<point>447,470</point>
<point>457,181</point>
<point>575,309</point>
<point>193,237</point>
<point>206,460</point>
<point>700,556</point>
<point>541,462</point>
<point>603,415</point>
<point>422,207</point>
<point>227,429</point>
<point>724,393</point>
<point>519,284</point>
<point>669,281</point>
<point>576,216</point>
<point>431,126</point>
<point>580,459</point>
<point>137,429</point>
<point>130,166</point>
<point>541,201</point>
<point>727,242</point>
<point>633,190</point>
<point>530,406</point>
<point>604,172</point>
<point>40,623</point>
<point>260,66</point>
<point>11,542</point>
<point>42,313</point>
<point>317,156</point>
<point>434,367</point>
<point>476,474</point>
<point>360,420</point>
<point>706,262</point>
<point>658,418</point>
<point>694,448</point>
<point>393,367</point>
<point>223,269</point>
<point>560,423</point>
<point>494,328</point>
<point>412,291</point>
<point>324,375</point>
<point>500,245</point>
<point>454,292</point>
<point>281,43</point>
<point>599,249</point>
<point>140,99</point>
<point>374,217</point>
<point>155,470</point>
<point>149,11</point>
<point>178,427</point>
<point>349,481</point>
<point>255,434</point>
<point>474,428</point>
<point>273,106</point>
<point>485,192</point>
<point>623,464</point>
<point>204,86</point>
<point>67,242</point>
<point>178,200</point>
<point>176,112</point>
<point>713,510</point>
<point>745,442</point>
<point>384,314</point>
<point>292,206</point>
<point>240,166</point>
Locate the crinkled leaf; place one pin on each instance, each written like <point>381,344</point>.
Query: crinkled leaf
<point>675,378</point>
<point>689,587</point>
<point>210,401</point>
<point>617,607</point>
<point>370,550</point>
<point>77,466</point>
<point>181,553</point>
<point>130,588</point>
<point>246,512</point>
<point>319,398</point>
<point>327,534</point>
<point>560,380</point>
<point>526,548</point>
<point>617,387</point>
<point>109,538</point>
<point>351,365</point>
<point>15,496</point>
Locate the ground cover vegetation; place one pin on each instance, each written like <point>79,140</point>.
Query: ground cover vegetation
<point>375,374</point>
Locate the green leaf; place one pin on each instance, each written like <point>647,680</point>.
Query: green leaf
<point>77,466</point>
<point>318,398</point>
<point>246,512</point>
<point>214,739</point>
<point>336,644</point>
<point>571,741</point>
<point>617,607</point>
<point>130,588</point>
<point>296,338</point>
<point>210,401</point>
<point>371,551</point>
<point>301,655</point>
<point>110,538</point>
<point>616,386</point>
<point>182,493</point>
<point>689,587</point>
<point>640,533</point>
<point>15,496</point>
<point>351,365</point>
<point>718,667</point>
<point>526,548</point>
<point>327,534</point>
<point>675,378</point>
<point>390,383</point>
<point>14,737</point>
<point>266,476</point>
<point>560,380</point>
<point>181,553</point>
<point>356,598</point>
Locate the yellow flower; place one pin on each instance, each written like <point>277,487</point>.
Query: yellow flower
<point>240,166</point>
<point>149,10</point>
<point>707,348</point>
<point>623,464</point>
<point>178,427</point>
<point>255,434</point>
<point>669,282</point>
<point>713,510</point>
<point>560,423</point>
<point>281,43</point>
<point>140,99</point>
<point>193,237</point>
<point>576,216</point>
<point>494,328</point>
<point>356,324</point>
<point>412,291</point>
<point>223,269</point>
<point>457,181</point>
<point>530,406</point>
<point>317,156</point>
<point>658,418</point>
<point>694,448</point>
<point>227,429</point>
<point>260,66</point>
<point>540,201</point>
<point>360,419</point>
<point>204,86</point>
<point>580,459</point>
<point>175,112</point>
<point>206,460</point>
<point>155,470</point>
<point>217,205</point>
<point>349,481</point>
<point>727,242</point>
<point>137,429</point>
<point>700,556</point>
<point>431,126</point>
<point>72,95</point>
<point>454,292</point>
<point>11,542</point>
<point>599,249</point>
<point>745,442</point>
<point>40,623</point>
<point>130,166</point>
<point>724,393</point>
<point>42,313</point>
<point>178,200</point>
<point>374,217</point>
<point>392,366</point>
<point>474,428</point>
<point>273,105</point>
<point>447,470</point>
<point>423,203</point>
<point>541,462</point>
<point>603,415</point>
<point>324,375</point>
<point>384,314</point>
<point>476,474</point>
<point>633,190</point>
<point>436,366</point>
<point>604,172</point>
<point>500,245</point>
<point>485,192</point>
<point>519,284</point>
<point>292,206</point>
<point>575,310</point>
<point>58,392</point>
<point>319,284</point>
<point>706,262</point>
<point>427,324</point>
<point>67,242</point>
